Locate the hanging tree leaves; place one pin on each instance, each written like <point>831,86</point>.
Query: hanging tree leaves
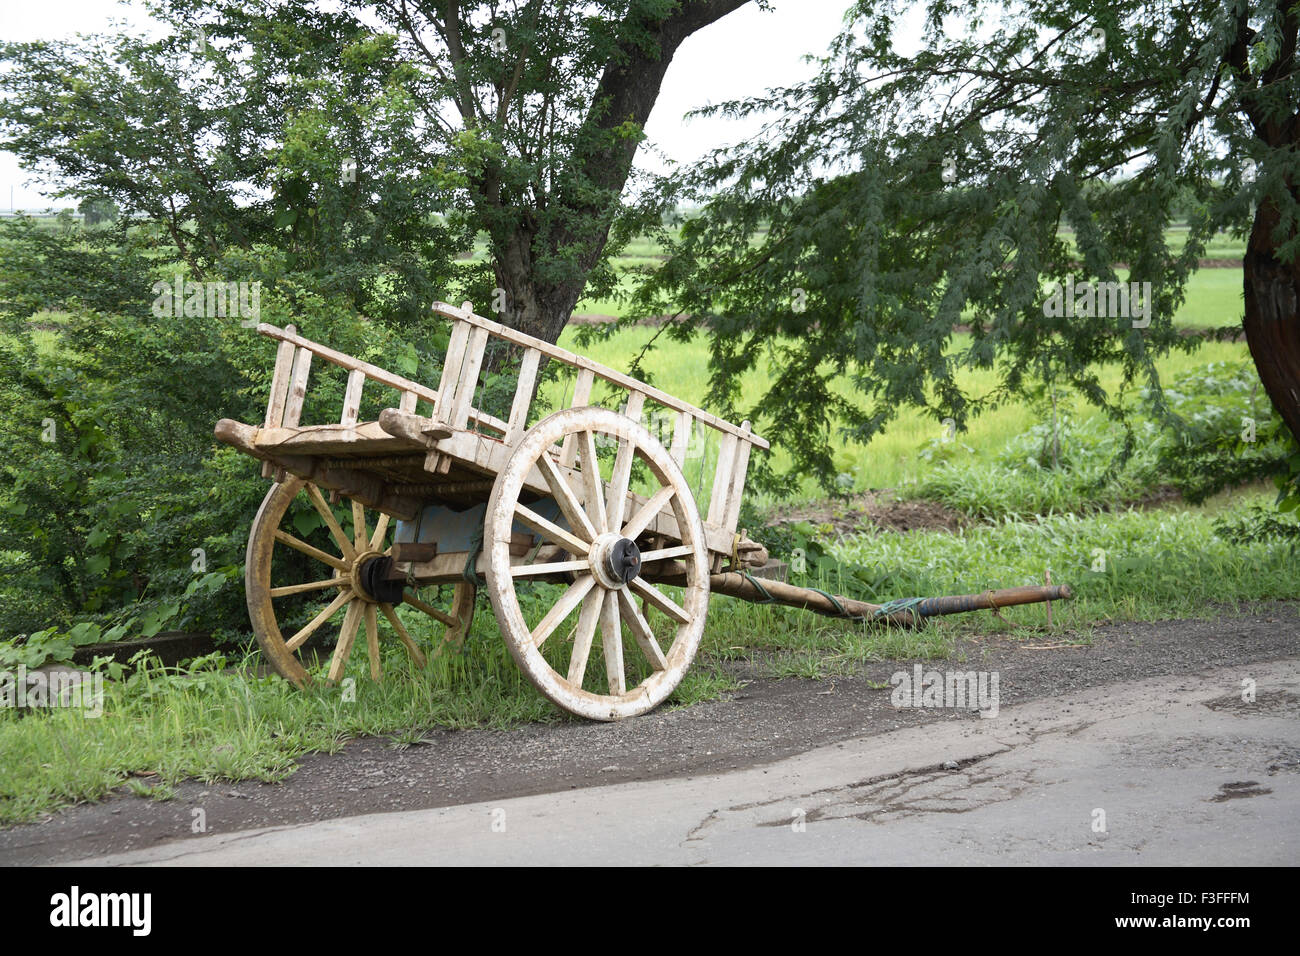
<point>899,198</point>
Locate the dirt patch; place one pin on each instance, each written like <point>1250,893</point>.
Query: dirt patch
<point>597,318</point>
<point>883,511</point>
<point>873,511</point>
<point>1279,703</point>
<point>1157,497</point>
<point>1238,790</point>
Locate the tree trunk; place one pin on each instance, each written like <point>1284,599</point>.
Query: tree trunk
<point>538,309</point>
<point>596,173</point>
<point>1271,322</point>
<point>1271,287</point>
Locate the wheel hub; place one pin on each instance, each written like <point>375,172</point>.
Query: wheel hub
<point>371,581</point>
<point>615,560</point>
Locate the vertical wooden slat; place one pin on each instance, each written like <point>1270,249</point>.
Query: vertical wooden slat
<point>582,389</point>
<point>352,397</point>
<point>722,479</point>
<point>281,377</point>
<point>732,513</point>
<point>298,389</point>
<point>451,370</point>
<point>635,402</point>
<point>280,380</point>
<point>581,396</point>
<point>408,401</point>
<point>523,395</point>
<point>469,377</point>
<point>681,437</point>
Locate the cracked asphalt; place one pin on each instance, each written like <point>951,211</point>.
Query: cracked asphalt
<point>1168,770</point>
<point>1137,748</point>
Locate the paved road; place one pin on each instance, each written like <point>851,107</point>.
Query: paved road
<point>1170,770</point>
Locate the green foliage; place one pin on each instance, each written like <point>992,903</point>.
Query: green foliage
<point>369,143</point>
<point>117,507</point>
<point>1258,524</point>
<point>1230,435</point>
<point>174,129</point>
<point>898,196</point>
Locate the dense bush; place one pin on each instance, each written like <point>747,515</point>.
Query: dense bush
<point>1229,436</point>
<point>1232,435</point>
<point>115,499</point>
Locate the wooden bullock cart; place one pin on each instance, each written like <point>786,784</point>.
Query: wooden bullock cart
<point>587,498</point>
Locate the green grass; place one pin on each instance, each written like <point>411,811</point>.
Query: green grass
<point>1214,297</point>
<point>210,723</point>
<point>1163,562</point>
<point>1222,246</point>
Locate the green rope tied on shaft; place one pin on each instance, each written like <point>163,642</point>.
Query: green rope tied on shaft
<point>902,604</point>
<point>843,612</point>
<point>767,597</point>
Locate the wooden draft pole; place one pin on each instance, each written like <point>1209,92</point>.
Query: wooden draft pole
<point>906,612</point>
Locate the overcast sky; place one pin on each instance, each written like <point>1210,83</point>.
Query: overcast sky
<point>745,53</point>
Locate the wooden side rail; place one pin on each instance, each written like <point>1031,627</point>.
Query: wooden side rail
<point>453,407</point>
<point>618,379</point>
<point>293,367</point>
<point>469,336</point>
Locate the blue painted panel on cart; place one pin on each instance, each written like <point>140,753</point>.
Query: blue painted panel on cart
<point>453,531</point>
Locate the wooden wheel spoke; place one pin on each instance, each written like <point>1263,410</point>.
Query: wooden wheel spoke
<point>595,497</point>
<point>648,511</point>
<point>570,507</point>
<point>295,642</point>
<point>381,528</point>
<point>554,567</point>
<point>612,638</point>
<point>403,635</point>
<point>327,514</point>
<point>359,525</point>
<point>299,545</point>
<point>551,531</point>
<point>310,586</point>
<point>658,599</point>
<point>372,642</point>
<point>440,616</point>
<point>588,619</point>
<point>664,554</point>
<point>561,609</point>
<point>347,634</point>
<point>618,482</point>
<point>640,628</point>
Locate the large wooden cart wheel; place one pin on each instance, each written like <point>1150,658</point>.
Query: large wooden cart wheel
<point>605,566</point>
<point>351,576</point>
